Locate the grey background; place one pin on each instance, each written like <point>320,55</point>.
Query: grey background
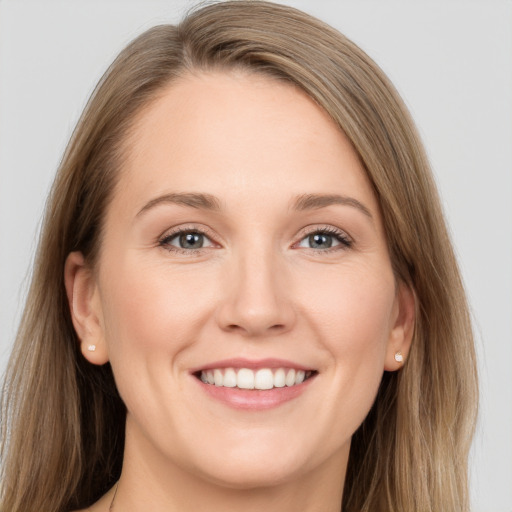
<point>452,62</point>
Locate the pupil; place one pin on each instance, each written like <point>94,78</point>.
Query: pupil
<point>319,241</point>
<point>191,241</point>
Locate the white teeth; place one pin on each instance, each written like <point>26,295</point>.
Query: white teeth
<point>299,377</point>
<point>230,378</point>
<point>245,379</point>
<point>265,378</point>
<point>279,378</point>
<point>218,378</point>
<point>290,378</point>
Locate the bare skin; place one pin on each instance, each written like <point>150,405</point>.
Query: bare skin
<point>286,259</point>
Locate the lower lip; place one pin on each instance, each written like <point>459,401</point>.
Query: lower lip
<point>254,399</point>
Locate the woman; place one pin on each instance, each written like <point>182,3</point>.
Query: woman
<point>250,298</point>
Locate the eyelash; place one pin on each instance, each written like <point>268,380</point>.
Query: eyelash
<point>340,236</point>
<point>164,242</point>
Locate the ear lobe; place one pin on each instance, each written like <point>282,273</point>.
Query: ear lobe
<point>401,334</point>
<point>85,308</point>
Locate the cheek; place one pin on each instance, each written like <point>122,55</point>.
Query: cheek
<point>151,317</point>
<point>352,307</point>
<point>352,316</point>
<point>148,311</point>
<point>154,311</point>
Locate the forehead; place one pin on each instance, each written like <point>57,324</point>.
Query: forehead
<point>238,134</point>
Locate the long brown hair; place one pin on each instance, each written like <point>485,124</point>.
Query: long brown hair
<point>63,420</point>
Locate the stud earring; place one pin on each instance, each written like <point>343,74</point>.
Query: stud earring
<point>399,358</point>
<point>91,348</point>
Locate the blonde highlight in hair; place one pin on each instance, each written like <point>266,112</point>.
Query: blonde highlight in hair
<point>63,420</point>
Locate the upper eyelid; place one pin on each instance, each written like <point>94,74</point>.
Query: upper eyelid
<point>323,228</point>
<point>184,228</point>
<point>345,240</point>
<point>214,237</point>
<point>163,241</point>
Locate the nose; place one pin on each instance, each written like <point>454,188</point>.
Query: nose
<point>255,299</point>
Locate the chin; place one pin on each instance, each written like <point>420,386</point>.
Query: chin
<point>264,462</point>
<point>250,475</point>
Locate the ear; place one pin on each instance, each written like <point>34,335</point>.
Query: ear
<point>85,307</point>
<point>400,337</point>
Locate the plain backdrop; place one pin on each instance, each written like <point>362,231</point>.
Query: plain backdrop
<point>451,61</point>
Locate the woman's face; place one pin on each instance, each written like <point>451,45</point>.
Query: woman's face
<point>243,246</point>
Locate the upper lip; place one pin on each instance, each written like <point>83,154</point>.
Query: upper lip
<point>252,364</point>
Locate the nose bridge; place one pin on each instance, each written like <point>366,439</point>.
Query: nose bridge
<point>256,302</point>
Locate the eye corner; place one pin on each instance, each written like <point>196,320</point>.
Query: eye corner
<point>201,240</point>
<point>333,239</point>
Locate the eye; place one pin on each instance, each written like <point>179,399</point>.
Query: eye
<point>325,239</point>
<point>186,240</point>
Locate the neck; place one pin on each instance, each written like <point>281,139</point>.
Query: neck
<point>156,483</point>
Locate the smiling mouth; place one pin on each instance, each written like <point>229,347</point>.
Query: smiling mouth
<point>248,379</point>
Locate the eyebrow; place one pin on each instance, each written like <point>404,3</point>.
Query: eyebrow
<point>190,199</point>
<point>317,201</point>
<point>210,202</point>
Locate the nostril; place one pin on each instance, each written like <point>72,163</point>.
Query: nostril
<point>233,327</point>
<point>254,330</point>
<point>241,315</point>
